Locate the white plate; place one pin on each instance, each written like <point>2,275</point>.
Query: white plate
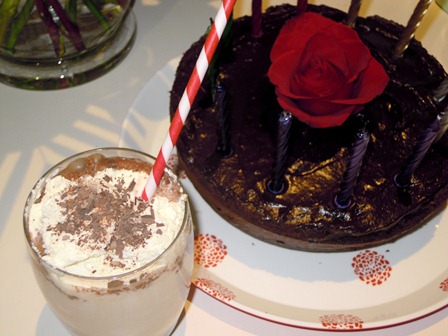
<point>398,282</point>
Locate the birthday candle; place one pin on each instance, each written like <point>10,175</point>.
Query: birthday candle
<point>221,101</point>
<point>221,48</point>
<point>443,120</point>
<point>439,95</point>
<point>403,178</point>
<point>357,151</point>
<point>302,6</point>
<point>419,12</point>
<point>353,13</point>
<point>441,91</point>
<point>276,184</point>
<point>256,18</point>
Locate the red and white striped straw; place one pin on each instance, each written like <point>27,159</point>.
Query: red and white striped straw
<point>188,97</point>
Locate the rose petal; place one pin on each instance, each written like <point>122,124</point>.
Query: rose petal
<point>324,120</point>
<point>371,83</point>
<point>326,48</point>
<point>308,24</point>
<point>375,80</point>
<point>322,71</point>
<point>358,57</point>
<point>320,78</point>
<point>281,71</point>
<point>318,108</point>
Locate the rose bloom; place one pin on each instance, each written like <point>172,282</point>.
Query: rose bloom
<point>322,71</point>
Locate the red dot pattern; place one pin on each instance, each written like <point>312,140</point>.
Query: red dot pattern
<point>215,289</point>
<point>209,250</point>
<point>371,267</point>
<point>444,285</point>
<point>341,321</point>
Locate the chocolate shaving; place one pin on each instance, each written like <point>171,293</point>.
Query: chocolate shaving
<point>131,186</point>
<point>115,284</point>
<point>93,212</point>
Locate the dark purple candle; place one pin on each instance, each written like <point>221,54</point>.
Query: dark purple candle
<point>256,18</point>
<point>222,116</point>
<point>440,95</point>
<point>357,151</point>
<point>403,178</point>
<point>276,185</point>
<point>302,6</point>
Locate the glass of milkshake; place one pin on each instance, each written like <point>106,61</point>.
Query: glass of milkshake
<point>107,262</point>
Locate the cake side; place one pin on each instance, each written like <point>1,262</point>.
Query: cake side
<point>305,217</point>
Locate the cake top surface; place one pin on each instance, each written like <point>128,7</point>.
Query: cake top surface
<point>306,213</point>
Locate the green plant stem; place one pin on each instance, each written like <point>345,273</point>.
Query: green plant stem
<point>17,25</point>
<point>71,28</point>
<point>71,7</point>
<point>8,9</point>
<point>96,13</point>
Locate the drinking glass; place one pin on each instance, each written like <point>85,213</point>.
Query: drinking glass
<point>144,301</point>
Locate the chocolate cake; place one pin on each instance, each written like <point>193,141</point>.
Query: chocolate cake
<point>304,214</point>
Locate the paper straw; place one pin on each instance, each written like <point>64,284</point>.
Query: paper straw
<point>188,97</point>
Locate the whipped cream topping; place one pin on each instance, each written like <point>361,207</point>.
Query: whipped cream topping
<point>95,226</point>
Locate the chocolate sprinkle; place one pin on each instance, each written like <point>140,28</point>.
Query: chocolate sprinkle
<point>93,211</point>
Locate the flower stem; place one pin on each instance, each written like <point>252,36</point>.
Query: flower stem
<point>17,25</point>
<point>71,7</point>
<point>96,13</point>
<point>8,9</point>
<point>52,28</point>
<point>71,28</point>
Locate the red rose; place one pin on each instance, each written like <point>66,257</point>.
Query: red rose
<point>322,71</point>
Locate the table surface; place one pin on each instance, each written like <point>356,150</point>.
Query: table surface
<point>39,128</point>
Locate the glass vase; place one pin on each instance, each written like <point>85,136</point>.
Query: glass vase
<point>54,44</point>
